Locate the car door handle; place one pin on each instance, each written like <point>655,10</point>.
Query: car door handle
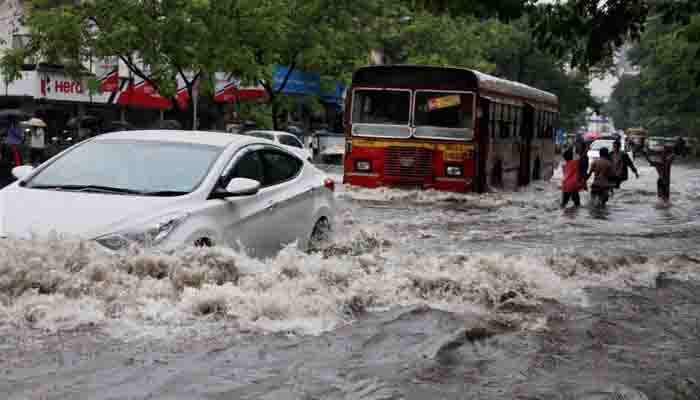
<point>271,206</point>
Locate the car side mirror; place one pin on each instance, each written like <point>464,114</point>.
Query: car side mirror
<point>22,171</point>
<point>242,187</point>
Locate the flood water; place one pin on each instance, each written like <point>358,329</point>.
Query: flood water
<point>421,295</point>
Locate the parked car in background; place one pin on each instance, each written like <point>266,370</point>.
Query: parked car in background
<point>163,190</point>
<point>594,151</point>
<point>284,138</point>
<point>328,147</point>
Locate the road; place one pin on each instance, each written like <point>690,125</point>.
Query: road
<point>421,295</point>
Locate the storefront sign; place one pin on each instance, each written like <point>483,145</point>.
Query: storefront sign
<point>56,86</point>
<point>107,73</point>
<point>298,82</point>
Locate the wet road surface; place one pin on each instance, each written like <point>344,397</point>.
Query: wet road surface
<point>421,295</point>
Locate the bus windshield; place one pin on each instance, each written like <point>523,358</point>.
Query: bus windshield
<point>381,112</point>
<point>445,115</point>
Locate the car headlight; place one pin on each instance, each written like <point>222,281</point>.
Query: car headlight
<point>148,235</point>
<point>453,171</point>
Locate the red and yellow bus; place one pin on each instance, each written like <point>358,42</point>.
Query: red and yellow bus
<point>446,128</point>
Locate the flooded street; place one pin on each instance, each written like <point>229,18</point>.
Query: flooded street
<point>421,295</point>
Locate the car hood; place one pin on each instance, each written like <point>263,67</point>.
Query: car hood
<point>36,212</point>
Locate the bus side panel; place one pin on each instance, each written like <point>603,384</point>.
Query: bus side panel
<point>369,179</point>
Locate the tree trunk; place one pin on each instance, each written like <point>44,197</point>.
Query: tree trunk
<point>275,112</point>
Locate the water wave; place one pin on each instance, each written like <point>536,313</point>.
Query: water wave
<point>50,286</point>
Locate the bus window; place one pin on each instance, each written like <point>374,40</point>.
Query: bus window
<point>505,121</point>
<point>444,115</point>
<point>381,112</point>
<point>492,120</point>
<point>514,127</point>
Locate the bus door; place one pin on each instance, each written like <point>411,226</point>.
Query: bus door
<point>526,137</point>
<point>483,141</point>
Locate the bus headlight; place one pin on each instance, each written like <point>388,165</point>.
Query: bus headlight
<point>453,170</point>
<point>363,165</point>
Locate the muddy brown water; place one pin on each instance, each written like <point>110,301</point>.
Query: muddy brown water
<point>421,295</point>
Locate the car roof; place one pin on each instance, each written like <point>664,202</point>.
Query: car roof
<point>271,132</point>
<point>219,139</point>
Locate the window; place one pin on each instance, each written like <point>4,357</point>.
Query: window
<point>279,167</point>
<point>249,166</point>
<point>389,108</point>
<point>492,120</point>
<point>444,115</point>
<point>138,165</point>
<point>496,120</point>
<point>515,127</point>
<point>290,141</point>
<point>505,121</point>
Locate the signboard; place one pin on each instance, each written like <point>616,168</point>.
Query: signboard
<point>337,96</point>
<point>437,103</point>
<point>560,137</point>
<point>107,73</point>
<point>299,82</point>
<point>230,88</point>
<point>56,86</point>
<point>225,87</point>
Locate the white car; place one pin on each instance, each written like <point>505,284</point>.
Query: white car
<point>594,151</point>
<point>164,189</point>
<point>283,138</point>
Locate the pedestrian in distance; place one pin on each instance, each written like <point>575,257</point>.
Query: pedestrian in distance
<point>622,163</point>
<point>571,183</point>
<point>663,168</point>
<point>38,145</point>
<point>583,163</point>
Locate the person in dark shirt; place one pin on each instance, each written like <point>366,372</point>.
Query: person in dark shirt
<point>663,168</point>
<point>583,165</point>
<point>622,163</point>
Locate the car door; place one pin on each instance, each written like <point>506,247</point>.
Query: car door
<point>246,220</point>
<point>289,196</point>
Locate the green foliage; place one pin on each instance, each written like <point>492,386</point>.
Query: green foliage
<point>625,105</point>
<point>491,46</point>
<point>586,33</point>
<point>670,77</point>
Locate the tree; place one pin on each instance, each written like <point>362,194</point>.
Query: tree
<point>670,76</point>
<point>625,105</point>
<point>321,36</point>
<point>587,33</point>
<point>492,46</point>
<point>158,40</point>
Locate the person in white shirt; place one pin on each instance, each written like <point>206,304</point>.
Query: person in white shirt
<point>38,145</point>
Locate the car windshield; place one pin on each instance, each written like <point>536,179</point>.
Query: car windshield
<point>381,112</point>
<point>142,167</point>
<point>444,115</point>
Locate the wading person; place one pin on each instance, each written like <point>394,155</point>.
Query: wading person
<point>583,165</point>
<point>38,145</point>
<point>621,162</point>
<point>602,168</point>
<point>571,183</point>
<point>663,168</point>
